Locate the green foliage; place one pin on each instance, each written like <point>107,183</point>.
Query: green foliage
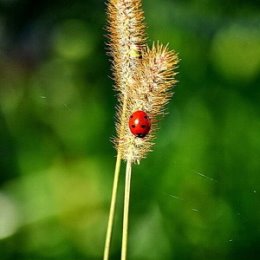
<point>195,197</point>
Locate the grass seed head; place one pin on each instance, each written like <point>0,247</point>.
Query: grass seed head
<point>143,76</point>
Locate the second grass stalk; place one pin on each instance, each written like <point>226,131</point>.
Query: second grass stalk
<point>126,209</point>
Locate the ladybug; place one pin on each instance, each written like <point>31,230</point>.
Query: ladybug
<point>139,124</point>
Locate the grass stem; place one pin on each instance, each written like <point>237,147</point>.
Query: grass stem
<point>112,207</point>
<point>126,210</point>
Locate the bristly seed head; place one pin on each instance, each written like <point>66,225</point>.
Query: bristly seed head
<point>144,77</point>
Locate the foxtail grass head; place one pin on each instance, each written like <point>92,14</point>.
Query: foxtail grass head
<point>144,78</point>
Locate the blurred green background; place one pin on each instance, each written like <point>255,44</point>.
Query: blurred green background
<point>195,197</point>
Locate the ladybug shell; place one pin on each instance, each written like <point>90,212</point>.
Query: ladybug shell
<point>139,124</point>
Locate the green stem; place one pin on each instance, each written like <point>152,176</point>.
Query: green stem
<point>112,208</point>
<point>126,210</point>
<point>115,184</point>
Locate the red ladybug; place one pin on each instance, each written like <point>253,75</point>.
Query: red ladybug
<point>139,124</point>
